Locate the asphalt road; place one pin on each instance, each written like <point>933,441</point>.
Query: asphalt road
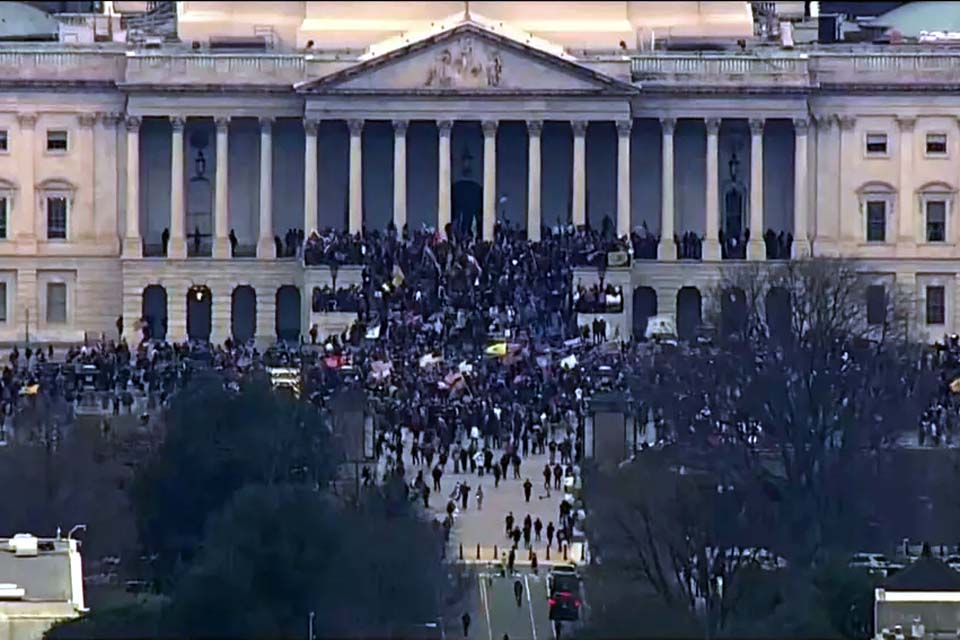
<point>496,614</point>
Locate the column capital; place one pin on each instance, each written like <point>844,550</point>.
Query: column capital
<point>534,127</point>
<point>87,120</point>
<point>713,126</point>
<point>27,120</point>
<point>846,122</point>
<point>756,126</point>
<point>133,123</point>
<point>355,126</point>
<point>489,127</point>
<point>400,127</point>
<point>266,123</point>
<point>311,126</point>
<point>624,127</point>
<point>823,120</point>
<point>668,125</point>
<point>800,126</point>
<point>178,123</point>
<point>906,123</point>
<point>109,118</point>
<point>579,127</point>
<point>223,123</point>
<point>445,127</point>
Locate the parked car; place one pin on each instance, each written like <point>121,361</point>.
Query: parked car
<point>874,563</point>
<point>953,562</point>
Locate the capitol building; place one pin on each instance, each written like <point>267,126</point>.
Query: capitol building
<point>154,156</point>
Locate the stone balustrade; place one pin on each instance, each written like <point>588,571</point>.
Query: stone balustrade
<point>886,67</point>
<point>720,70</point>
<point>58,64</point>
<point>209,68</point>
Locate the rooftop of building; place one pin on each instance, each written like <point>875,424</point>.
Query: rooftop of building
<point>927,573</point>
<point>44,577</point>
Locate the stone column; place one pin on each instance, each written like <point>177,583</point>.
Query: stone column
<point>176,311</point>
<point>847,145</point>
<point>801,242</point>
<point>220,313</point>
<point>534,218</point>
<point>444,202</point>
<point>579,173</point>
<point>623,178</point>
<point>221,239</point>
<point>399,175</point>
<point>22,221</point>
<point>132,311</point>
<point>266,330</point>
<point>711,244</point>
<point>489,178</point>
<point>906,211</point>
<point>177,247</point>
<point>83,225</point>
<point>667,249</point>
<point>310,177</point>
<point>756,250</point>
<point>266,247</point>
<point>132,244</point>
<point>356,176</point>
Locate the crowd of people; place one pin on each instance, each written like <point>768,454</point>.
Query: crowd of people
<point>598,299</point>
<point>327,298</point>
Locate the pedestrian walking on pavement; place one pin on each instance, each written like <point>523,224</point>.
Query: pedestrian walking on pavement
<point>550,530</point>
<point>426,496</point>
<point>516,467</point>
<point>518,591</point>
<point>537,528</point>
<point>496,476</point>
<point>479,498</point>
<point>464,495</point>
<point>516,537</point>
<point>533,561</point>
<point>557,476</point>
<point>508,522</point>
<point>546,477</point>
<point>511,561</point>
<point>465,618</point>
<point>526,538</point>
<point>527,489</point>
<point>437,474</point>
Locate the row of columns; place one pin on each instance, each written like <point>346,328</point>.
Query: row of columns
<point>266,248</point>
<point>711,244</point>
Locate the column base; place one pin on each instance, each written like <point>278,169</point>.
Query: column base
<point>756,250</point>
<point>711,249</point>
<point>266,249</point>
<point>801,249</point>
<point>132,248</point>
<point>221,248</point>
<point>177,249</point>
<point>667,249</point>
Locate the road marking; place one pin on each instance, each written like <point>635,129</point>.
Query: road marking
<point>486,606</point>
<point>533,625</point>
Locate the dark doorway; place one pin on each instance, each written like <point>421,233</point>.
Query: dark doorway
<point>778,313</point>
<point>689,313</point>
<point>243,313</point>
<point>154,313</point>
<point>467,208</point>
<point>199,313</point>
<point>644,307</point>
<point>733,311</point>
<point>288,313</point>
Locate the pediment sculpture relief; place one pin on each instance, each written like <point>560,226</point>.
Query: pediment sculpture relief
<point>465,65</point>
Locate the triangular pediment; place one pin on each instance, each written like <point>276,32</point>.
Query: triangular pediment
<point>468,59</point>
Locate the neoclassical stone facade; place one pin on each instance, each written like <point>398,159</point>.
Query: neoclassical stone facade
<point>157,182</point>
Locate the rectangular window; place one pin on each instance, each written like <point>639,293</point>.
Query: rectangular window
<point>936,144</point>
<point>56,218</point>
<point>936,221</point>
<point>936,305</point>
<point>876,144</point>
<point>3,218</point>
<point>56,140</point>
<point>56,303</point>
<point>876,221</point>
<point>876,304</point>
<point>3,301</point>
<point>3,140</point>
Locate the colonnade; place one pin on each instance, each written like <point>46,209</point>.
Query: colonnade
<point>266,248</point>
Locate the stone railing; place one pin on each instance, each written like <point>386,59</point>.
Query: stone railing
<point>25,64</point>
<point>719,70</point>
<point>886,67</point>
<point>214,68</point>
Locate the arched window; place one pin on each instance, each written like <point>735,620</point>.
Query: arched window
<point>935,200</point>
<point>876,210</point>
